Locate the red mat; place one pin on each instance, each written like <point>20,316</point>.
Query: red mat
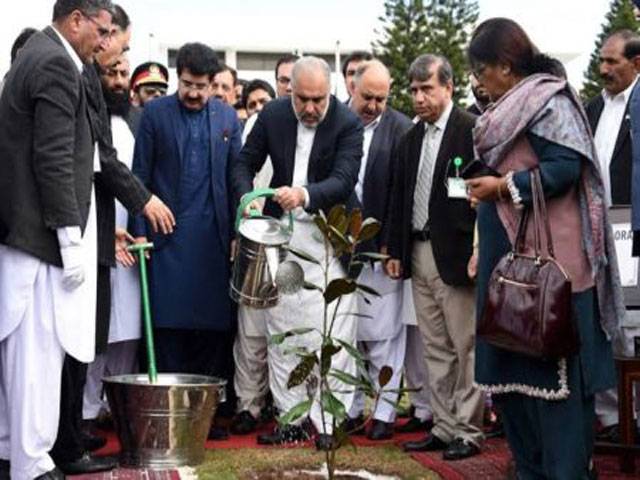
<point>491,464</point>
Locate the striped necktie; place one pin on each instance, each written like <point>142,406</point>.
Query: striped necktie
<point>424,179</point>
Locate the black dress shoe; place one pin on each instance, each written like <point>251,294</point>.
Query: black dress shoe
<point>92,442</point>
<point>285,434</point>
<point>243,423</point>
<point>87,463</point>
<point>459,449</point>
<point>429,444</point>
<point>380,430</point>
<point>415,425</point>
<point>54,474</point>
<point>610,434</point>
<point>354,426</point>
<point>325,442</point>
<point>216,432</point>
<point>5,468</point>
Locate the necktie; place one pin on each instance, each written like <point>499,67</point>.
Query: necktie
<point>424,180</point>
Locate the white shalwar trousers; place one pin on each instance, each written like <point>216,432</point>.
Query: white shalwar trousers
<point>379,353</point>
<point>306,309</point>
<point>381,339</point>
<point>251,379</point>
<point>30,374</point>
<point>121,358</point>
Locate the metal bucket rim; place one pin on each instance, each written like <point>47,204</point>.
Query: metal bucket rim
<point>197,380</point>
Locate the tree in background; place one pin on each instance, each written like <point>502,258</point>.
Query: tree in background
<point>414,27</point>
<point>620,17</point>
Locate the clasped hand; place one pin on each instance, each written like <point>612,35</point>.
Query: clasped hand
<point>485,189</point>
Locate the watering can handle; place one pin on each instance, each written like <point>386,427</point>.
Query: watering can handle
<point>250,197</point>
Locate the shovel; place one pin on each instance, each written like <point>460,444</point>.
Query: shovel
<point>140,249</point>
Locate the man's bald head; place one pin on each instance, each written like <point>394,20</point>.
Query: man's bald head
<point>371,85</point>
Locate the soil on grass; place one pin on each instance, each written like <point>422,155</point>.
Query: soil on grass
<point>296,475</point>
<point>272,463</point>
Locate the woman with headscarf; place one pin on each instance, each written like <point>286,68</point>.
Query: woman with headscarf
<point>537,121</point>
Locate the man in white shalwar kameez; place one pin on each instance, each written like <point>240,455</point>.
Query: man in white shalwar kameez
<point>381,333</point>
<point>315,145</point>
<point>48,255</point>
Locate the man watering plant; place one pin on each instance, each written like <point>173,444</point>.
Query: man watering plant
<point>315,145</point>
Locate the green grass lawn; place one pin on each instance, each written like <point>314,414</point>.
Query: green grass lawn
<point>244,464</point>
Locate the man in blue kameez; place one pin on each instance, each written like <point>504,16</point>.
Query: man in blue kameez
<point>184,146</point>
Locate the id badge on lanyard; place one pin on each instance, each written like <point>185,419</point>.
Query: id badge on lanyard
<point>456,187</point>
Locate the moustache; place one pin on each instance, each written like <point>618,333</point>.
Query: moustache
<point>606,77</point>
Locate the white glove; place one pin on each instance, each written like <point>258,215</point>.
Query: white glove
<point>72,253</point>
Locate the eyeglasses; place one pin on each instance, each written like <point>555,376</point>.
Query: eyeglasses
<point>478,70</point>
<point>198,87</point>
<point>102,31</point>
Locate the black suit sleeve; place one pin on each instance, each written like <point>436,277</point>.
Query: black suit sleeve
<point>339,185</point>
<point>250,160</point>
<point>396,208</point>
<point>57,94</point>
<point>115,177</point>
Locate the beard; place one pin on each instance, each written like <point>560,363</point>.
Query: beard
<point>117,102</point>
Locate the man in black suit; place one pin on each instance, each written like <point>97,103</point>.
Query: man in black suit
<point>608,115</point>
<point>112,179</point>
<point>315,145</point>
<point>382,337</point>
<point>430,241</point>
<point>47,229</point>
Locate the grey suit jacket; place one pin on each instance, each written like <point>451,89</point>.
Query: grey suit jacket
<point>46,149</point>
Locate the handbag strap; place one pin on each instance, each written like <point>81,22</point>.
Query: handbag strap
<point>539,209</point>
<point>540,205</point>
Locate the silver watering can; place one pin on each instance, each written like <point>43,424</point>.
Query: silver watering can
<point>261,250</point>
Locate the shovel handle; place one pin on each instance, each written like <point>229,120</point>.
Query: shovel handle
<point>140,249</point>
<point>246,200</point>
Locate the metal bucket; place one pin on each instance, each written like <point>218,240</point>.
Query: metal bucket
<point>165,424</point>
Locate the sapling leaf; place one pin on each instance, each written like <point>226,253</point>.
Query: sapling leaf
<point>367,289</point>
<point>333,406</point>
<point>328,351</point>
<point>345,377</point>
<point>312,286</point>
<point>353,352</point>
<point>355,223</point>
<point>336,215</point>
<point>370,228</point>
<point>303,255</point>
<point>373,256</point>
<point>296,412</point>
<point>278,338</point>
<point>385,375</point>
<point>338,287</point>
<point>300,373</point>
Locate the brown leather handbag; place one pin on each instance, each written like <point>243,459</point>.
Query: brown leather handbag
<point>528,309</point>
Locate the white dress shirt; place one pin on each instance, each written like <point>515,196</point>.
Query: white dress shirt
<point>428,154</point>
<point>304,144</point>
<point>369,130</point>
<point>607,130</point>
